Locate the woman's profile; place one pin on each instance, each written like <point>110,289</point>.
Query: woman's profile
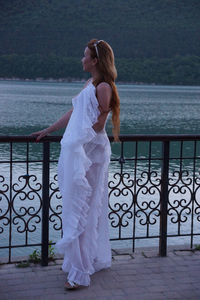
<point>83,168</point>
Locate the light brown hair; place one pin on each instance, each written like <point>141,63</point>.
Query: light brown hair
<point>108,73</point>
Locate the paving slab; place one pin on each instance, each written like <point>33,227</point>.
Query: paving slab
<point>133,276</point>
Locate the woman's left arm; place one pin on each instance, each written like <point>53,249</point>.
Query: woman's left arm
<point>103,94</point>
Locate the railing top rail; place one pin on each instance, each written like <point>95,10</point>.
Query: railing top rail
<point>123,138</point>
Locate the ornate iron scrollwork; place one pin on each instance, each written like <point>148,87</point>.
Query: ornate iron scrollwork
<point>135,191</point>
<point>121,212</point>
<point>55,209</point>
<point>148,210</point>
<point>26,216</point>
<point>5,204</point>
<point>180,202</point>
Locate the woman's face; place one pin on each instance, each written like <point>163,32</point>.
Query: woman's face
<point>87,61</point>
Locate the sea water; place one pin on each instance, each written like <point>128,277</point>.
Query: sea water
<point>26,107</point>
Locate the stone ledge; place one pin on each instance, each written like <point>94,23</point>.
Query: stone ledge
<point>123,254</point>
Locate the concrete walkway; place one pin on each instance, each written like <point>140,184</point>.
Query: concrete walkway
<point>142,275</point>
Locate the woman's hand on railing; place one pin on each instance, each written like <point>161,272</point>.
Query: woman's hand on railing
<point>40,134</point>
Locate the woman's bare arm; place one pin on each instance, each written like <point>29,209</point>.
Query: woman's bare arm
<point>61,123</point>
<point>104,93</point>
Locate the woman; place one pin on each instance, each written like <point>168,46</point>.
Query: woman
<point>83,168</point>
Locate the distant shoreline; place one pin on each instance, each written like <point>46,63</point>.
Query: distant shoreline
<point>69,80</point>
<point>75,80</point>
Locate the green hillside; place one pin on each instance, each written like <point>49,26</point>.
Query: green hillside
<point>150,38</point>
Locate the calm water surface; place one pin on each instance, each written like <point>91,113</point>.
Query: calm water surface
<point>26,107</point>
<point>29,106</point>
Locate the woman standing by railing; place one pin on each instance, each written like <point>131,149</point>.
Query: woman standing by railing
<point>83,168</point>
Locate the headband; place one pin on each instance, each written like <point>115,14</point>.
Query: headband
<point>96,48</point>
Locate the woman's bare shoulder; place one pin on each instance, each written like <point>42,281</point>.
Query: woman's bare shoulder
<point>104,93</point>
<point>104,86</point>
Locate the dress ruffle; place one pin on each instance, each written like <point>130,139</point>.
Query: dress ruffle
<point>78,276</point>
<point>84,116</point>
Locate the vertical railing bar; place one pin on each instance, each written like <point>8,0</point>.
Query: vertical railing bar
<point>150,149</point>
<point>27,158</point>
<point>181,157</point>
<point>121,174</point>
<point>193,195</point>
<point>149,170</point>
<point>11,204</point>
<point>122,157</point>
<point>180,172</point>
<point>27,172</point>
<point>135,195</point>
<point>164,200</point>
<point>45,204</point>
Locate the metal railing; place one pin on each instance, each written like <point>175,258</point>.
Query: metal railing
<point>154,190</point>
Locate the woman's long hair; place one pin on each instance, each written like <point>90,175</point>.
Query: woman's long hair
<point>108,73</point>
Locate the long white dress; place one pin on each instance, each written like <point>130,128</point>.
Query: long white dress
<point>83,182</point>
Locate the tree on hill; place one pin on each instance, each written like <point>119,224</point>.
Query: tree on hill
<point>50,35</point>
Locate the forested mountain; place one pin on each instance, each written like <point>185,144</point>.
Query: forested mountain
<point>47,38</point>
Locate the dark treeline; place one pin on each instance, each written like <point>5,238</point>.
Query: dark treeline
<point>178,70</point>
<point>154,41</point>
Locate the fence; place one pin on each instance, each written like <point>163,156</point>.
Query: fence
<point>154,191</point>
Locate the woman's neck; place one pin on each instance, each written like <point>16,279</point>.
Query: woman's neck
<point>95,75</point>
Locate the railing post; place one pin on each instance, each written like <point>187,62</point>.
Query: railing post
<point>45,204</point>
<point>164,200</point>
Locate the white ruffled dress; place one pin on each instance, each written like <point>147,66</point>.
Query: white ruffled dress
<point>83,182</point>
